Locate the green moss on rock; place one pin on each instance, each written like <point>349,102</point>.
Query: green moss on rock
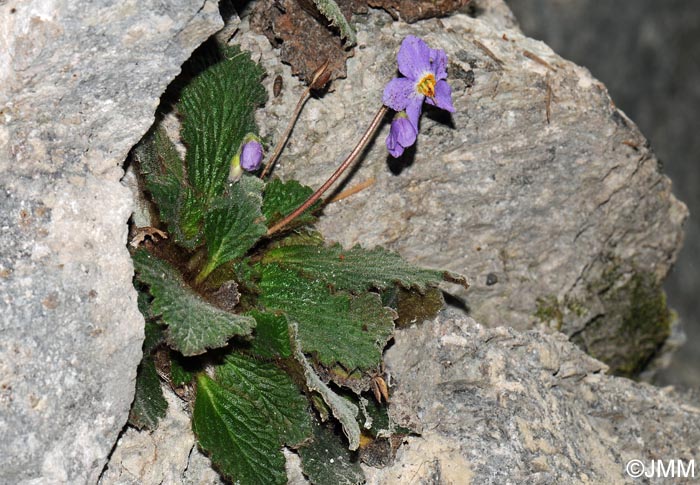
<point>635,324</point>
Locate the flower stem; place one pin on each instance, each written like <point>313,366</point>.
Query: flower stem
<point>366,137</point>
<point>282,141</point>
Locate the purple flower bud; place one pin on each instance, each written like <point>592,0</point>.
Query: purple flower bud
<point>251,155</point>
<point>402,135</point>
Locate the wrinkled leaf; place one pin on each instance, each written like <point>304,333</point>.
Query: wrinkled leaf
<point>153,337</point>
<point>355,269</point>
<point>272,392</point>
<point>218,107</point>
<point>236,436</point>
<point>243,418</point>
<point>326,461</point>
<point>281,198</point>
<point>149,404</point>
<point>235,223</point>
<point>271,335</point>
<point>193,324</point>
<point>337,328</point>
<point>343,410</point>
<point>165,179</point>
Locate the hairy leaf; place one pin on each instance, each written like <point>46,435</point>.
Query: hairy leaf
<point>166,180</point>
<point>281,198</point>
<point>338,328</point>
<point>332,12</point>
<point>343,410</point>
<point>193,324</point>
<point>272,392</point>
<point>355,269</point>
<point>153,337</point>
<point>218,111</point>
<point>149,404</point>
<point>236,436</point>
<point>243,418</point>
<point>326,461</point>
<point>234,224</point>
<point>271,335</point>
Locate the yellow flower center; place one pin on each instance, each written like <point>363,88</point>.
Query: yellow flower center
<point>426,86</point>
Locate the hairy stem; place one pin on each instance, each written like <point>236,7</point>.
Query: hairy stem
<point>366,137</point>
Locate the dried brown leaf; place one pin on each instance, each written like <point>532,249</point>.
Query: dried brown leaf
<point>414,10</point>
<point>303,35</point>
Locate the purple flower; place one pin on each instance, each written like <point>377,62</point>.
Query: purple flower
<point>402,135</point>
<point>426,73</point>
<point>251,155</point>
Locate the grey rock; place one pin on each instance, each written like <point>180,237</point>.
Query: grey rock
<point>656,85</point>
<point>500,406</point>
<point>166,455</point>
<point>80,82</point>
<point>572,215</point>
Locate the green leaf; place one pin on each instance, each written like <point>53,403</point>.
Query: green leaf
<point>338,328</point>
<point>331,11</point>
<point>243,418</point>
<point>234,224</point>
<point>271,392</point>
<point>153,337</point>
<point>182,371</point>
<point>149,404</point>
<point>236,436</point>
<point>218,108</point>
<point>193,324</point>
<point>271,335</point>
<point>281,198</point>
<point>165,179</point>
<point>326,461</point>
<point>355,269</point>
<point>343,410</point>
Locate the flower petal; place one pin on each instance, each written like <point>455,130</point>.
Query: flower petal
<point>405,132</point>
<point>395,150</point>
<point>413,110</point>
<point>414,57</point>
<point>398,93</point>
<point>391,139</point>
<point>443,97</point>
<point>438,59</point>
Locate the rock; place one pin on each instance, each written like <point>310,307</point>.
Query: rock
<point>537,182</point>
<point>500,406</point>
<point>167,455</point>
<point>656,87</point>
<point>80,82</point>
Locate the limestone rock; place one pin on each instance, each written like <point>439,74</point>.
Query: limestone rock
<point>79,84</point>
<point>166,455</point>
<point>538,188</point>
<point>501,406</point>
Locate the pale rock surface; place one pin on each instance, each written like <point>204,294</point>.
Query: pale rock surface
<point>495,405</point>
<point>566,223</point>
<point>166,455</point>
<point>79,84</point>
